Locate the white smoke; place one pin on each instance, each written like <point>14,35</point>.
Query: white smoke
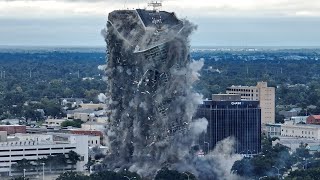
<point>102,67</point>
<point>102,98</point>
<point>195,67</point>
<point>215,165</point>
<point>199,126</point>
<point>224,157</point>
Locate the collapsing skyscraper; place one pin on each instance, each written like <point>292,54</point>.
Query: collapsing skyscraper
<point>150,75</point>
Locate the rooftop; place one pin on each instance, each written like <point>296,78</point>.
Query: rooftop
<point>303,125</point>
<point>316,116</point>
<point>12,125</point>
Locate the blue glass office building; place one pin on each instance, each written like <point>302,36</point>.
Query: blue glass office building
<point>239,119</point>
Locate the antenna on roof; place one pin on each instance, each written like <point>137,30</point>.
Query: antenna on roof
<point>125,4</point>
<point>155,4</point>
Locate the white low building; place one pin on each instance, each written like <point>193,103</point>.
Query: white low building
<point>93,106</point>
<point>297,120</point>
<point>94,126</point>
<point>37,146</point>
<point>301,131</point>
<point>54,122</point>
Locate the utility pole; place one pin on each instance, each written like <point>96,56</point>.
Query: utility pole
<point>43,170</point>
<point>78,74</point>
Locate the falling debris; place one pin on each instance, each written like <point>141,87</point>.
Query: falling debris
<point>150,76</point>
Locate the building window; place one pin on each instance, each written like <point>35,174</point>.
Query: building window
<point>30,149</point>
<point>16,155</point>
<point>44,154</point>
<point>30,155</point>
<point>69,148</point>
<point>17,150</point>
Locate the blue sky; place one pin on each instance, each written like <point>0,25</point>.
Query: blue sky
<point>220,22</point>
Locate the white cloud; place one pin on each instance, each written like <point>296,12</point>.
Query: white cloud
<point>204,8</point>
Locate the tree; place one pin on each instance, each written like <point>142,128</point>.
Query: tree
<point>309,174</point>
<point>243,167</point>
<point>20,178</point>
<point>302,151</point>
<point>52,107</point>
<point>90,163</point>
<point>279,118</point>
<point>263,164</point>
<point>73,157</point>
<point>23,164</point>
<point>59,160</point>
<point>70,175</point>
<point>130,175</point>
<point>107,175</point>
<point>74,123</point>
<point>165,174</point>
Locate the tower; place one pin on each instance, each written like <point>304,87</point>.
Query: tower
<point>149,86</point>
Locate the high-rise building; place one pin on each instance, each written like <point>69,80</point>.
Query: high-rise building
<point>149,75</point>
<point>229,116</point>
<point>262,93</point>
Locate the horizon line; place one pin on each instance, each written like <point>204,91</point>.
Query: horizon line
<point>192,47</point>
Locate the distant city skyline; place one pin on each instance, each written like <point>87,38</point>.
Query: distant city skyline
<point>220,23</point>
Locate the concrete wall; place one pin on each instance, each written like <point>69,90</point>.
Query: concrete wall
<point>3,136</point>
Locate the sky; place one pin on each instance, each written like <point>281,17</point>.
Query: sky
<point>220,22</point>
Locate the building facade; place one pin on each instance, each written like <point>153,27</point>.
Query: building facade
<point>273,130</point>
<point>54,122</point>
<point>313,119</point>
<point>95,138</point>
<point>298,119</point>
<point>262,93</point>
<point>238,119</point>
<point>12,129</point>
<point>37,146</point>
<point>301,131</point>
